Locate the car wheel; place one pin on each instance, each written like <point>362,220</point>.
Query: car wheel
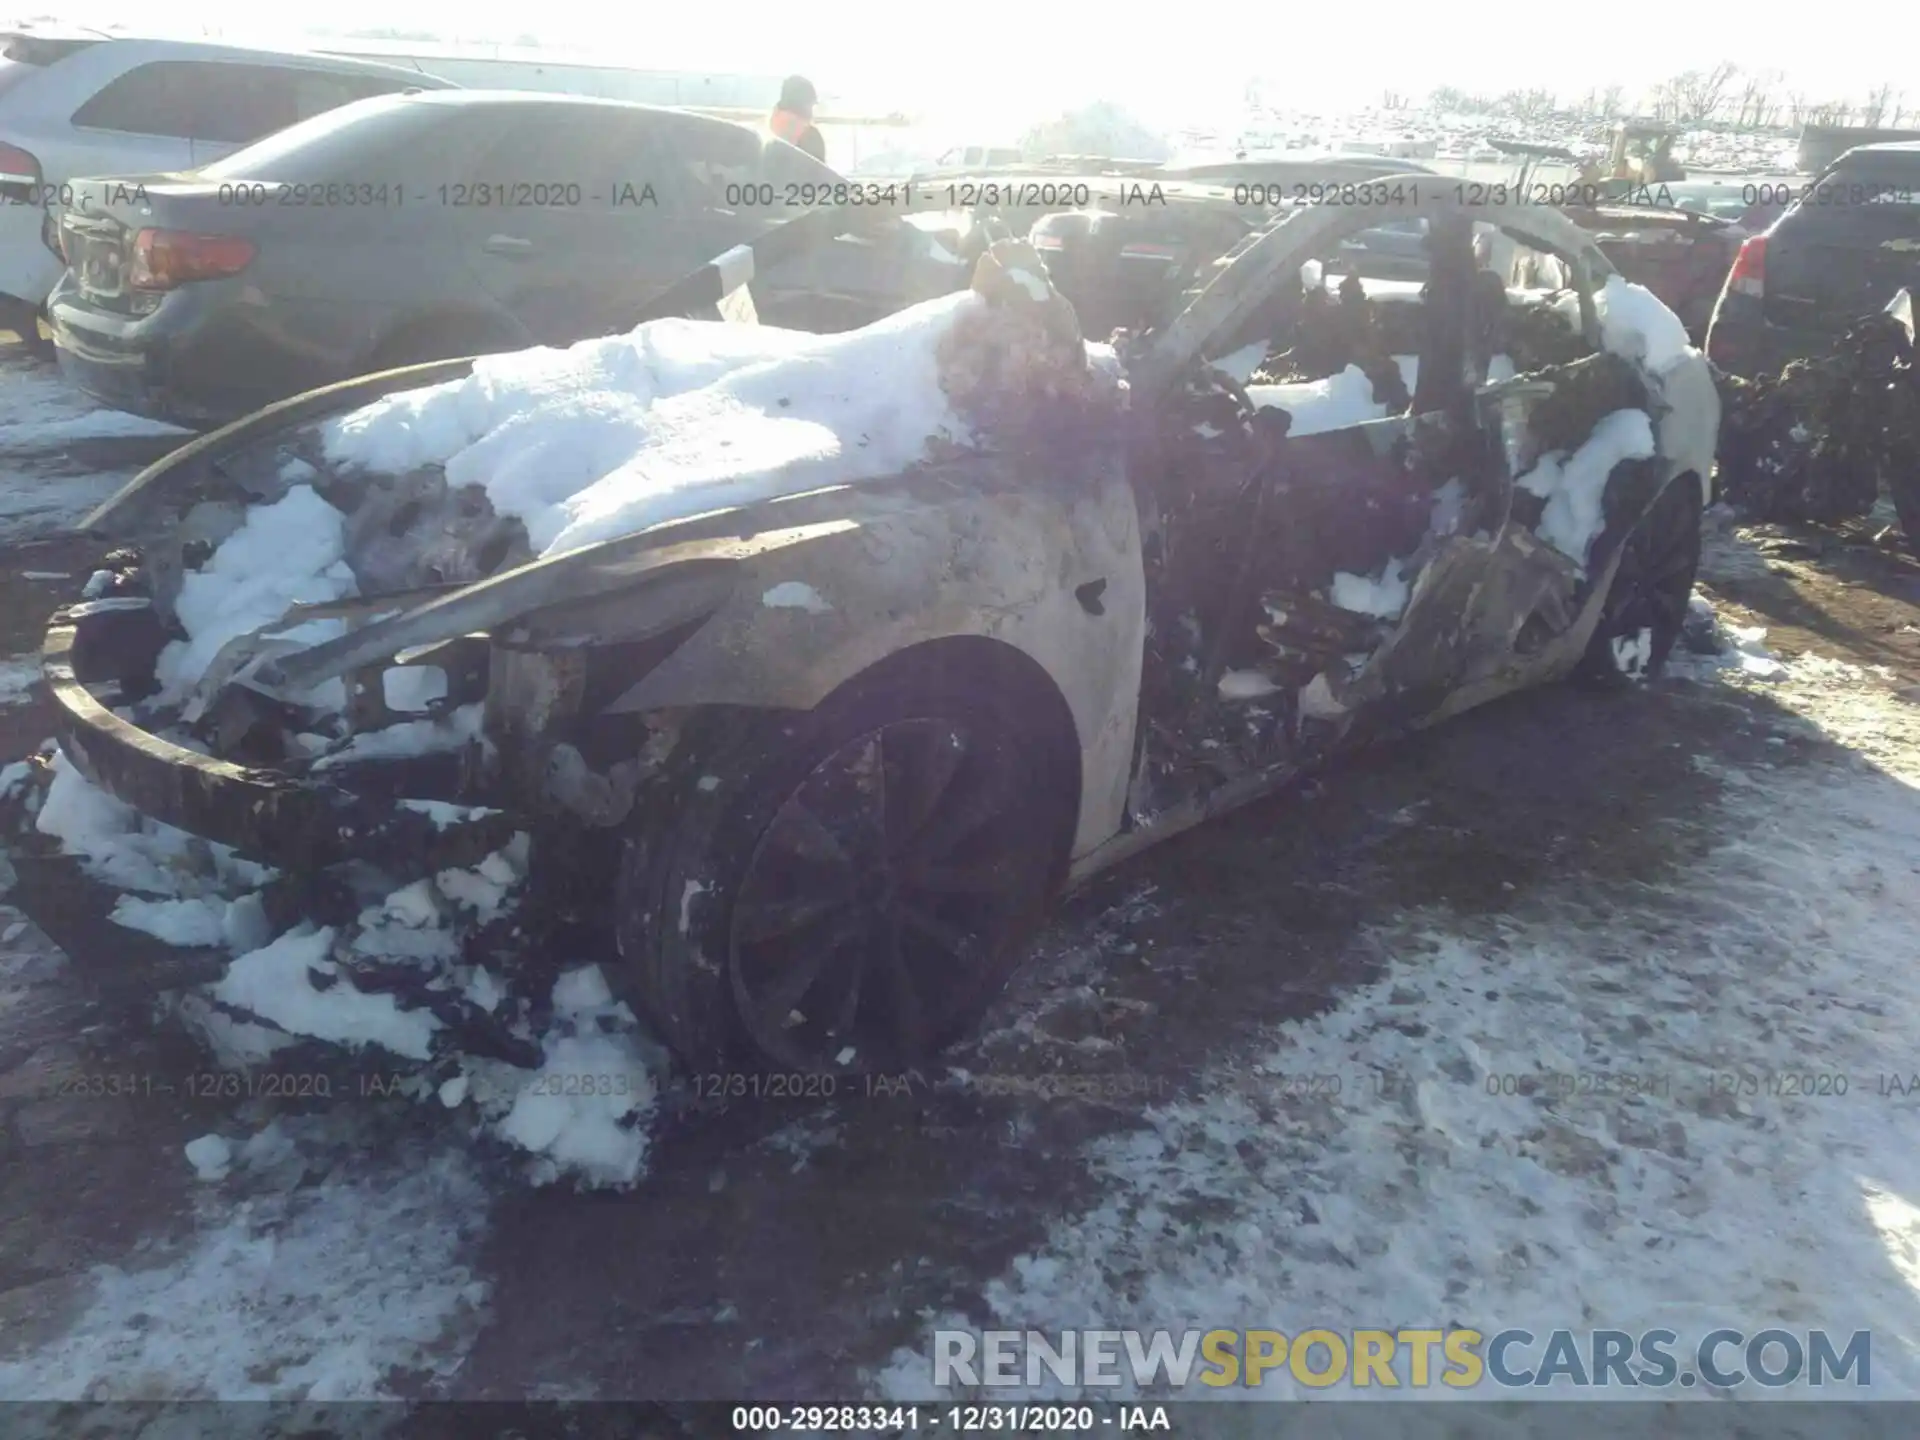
<point>1647,603</point>
<point>848,891</point>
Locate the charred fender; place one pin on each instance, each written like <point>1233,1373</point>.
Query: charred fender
<point>1003,562</point>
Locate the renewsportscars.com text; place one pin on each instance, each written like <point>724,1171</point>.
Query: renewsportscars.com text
<point>1458,1359</point>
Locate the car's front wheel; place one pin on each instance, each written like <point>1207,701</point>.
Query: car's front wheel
<point>847,891</point>
<point>1646,605</point>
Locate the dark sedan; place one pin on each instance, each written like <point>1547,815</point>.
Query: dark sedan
<point>412,228</point>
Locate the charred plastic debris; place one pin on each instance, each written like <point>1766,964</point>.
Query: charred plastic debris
<point>1345,523</point>
<point>1819,440</point>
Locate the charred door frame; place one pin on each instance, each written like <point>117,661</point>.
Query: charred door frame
<point>1450,381</point>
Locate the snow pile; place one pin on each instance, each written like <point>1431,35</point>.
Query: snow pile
<point>1574,485</point>
<point>294,983</point>
<point>408,738</point>
<point>679,416</point>
<point>286,553</point>
<point>125,850</point>
<point>577,1114</point>
<point>1636,325</point>
<point>1383,596</point>
<point>1321,405</point>
<point>211,1157</point>
<point>580,1115</point>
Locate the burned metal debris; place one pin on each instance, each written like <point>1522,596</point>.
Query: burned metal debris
<point>1816,441</point>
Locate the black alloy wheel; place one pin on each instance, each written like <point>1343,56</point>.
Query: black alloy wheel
<point>868,922</point>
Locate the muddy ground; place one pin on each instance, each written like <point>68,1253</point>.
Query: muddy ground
<point>781,1249</point>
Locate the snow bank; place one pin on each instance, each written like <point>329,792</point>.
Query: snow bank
<point>614,435</point>
<point>1574,485</point>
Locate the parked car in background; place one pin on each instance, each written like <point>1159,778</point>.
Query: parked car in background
<point>83,103</point>
<point>1847,245</point>
<point>419,227</point>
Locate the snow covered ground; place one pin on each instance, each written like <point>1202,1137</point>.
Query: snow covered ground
<point>50,437</point>
<point>1641,1184</point>
<point>320,1270</point>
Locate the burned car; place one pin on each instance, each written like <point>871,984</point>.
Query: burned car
<point>814,667</point>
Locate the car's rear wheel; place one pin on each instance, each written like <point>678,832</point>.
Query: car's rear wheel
<point>1646,605</point>
<point>849,892</point>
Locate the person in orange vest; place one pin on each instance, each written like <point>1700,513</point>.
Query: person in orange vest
<point>792,118</point>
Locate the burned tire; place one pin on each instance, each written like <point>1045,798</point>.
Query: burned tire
<point>847,891</point>
<point>1647,603</point>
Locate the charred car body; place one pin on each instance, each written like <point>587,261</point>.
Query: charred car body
<point>817,751</point>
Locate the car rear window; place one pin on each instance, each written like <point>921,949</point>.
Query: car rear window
<point>338,145</point>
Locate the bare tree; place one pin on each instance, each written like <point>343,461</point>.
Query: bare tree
<point>1610,101</point>
<point>1755,106</point>
<point>1808,111</point>
<point>1695,95</point>
<point>1525,104</point>
<point>1879,100</point>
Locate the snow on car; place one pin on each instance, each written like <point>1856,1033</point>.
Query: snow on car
<point>757,690</point>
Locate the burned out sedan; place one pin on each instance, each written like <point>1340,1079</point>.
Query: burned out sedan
<point>814,667</point>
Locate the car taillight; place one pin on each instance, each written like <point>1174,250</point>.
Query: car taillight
<point>163,259</point>
<point>1749,273</point>
<point>19,174</point>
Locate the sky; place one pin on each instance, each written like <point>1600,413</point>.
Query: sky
<point>1007,63</point>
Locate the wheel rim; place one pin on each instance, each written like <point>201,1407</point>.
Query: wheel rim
<point>1653,585</point>
<point>874,903</point>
